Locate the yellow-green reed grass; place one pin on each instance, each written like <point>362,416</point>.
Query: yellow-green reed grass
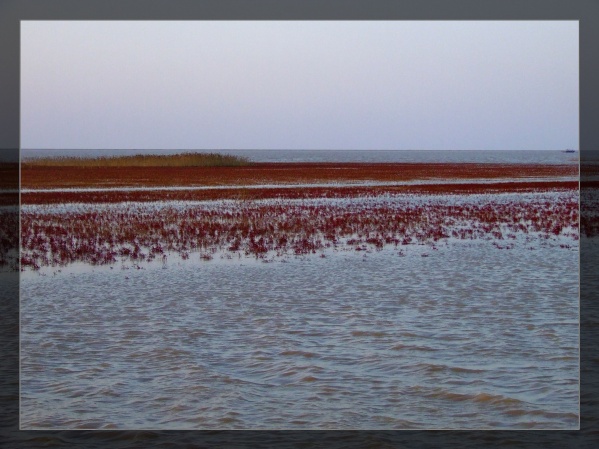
<point>142,160</point>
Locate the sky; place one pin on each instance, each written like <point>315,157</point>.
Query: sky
<point>407,85</point>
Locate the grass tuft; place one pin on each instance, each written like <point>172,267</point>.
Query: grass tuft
<point>142,160</point>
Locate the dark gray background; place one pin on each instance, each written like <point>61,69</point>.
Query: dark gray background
<point>586,11</point>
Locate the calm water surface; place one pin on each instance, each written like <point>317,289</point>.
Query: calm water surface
<point>468,337</point>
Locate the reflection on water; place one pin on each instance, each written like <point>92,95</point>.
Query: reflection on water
<point>469,337</point>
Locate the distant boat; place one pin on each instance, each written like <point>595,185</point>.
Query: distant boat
<point>569,151</point>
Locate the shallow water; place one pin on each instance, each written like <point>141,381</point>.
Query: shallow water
<point>346,439</point>
<point>390,199</point>
<point>469,337</point>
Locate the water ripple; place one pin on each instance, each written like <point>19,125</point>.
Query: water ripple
<point>455,340</point>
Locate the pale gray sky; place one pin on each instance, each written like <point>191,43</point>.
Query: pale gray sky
<point>300,85</point>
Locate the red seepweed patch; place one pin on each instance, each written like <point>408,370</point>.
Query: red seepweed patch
<point>280,226</point>
<point>256,229</point>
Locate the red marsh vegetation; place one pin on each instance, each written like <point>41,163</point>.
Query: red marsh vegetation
<point>9,238</point>
<point>9,175</point>
<point>124,232</point>
<point>346,191</point>
<point>9,183</point>
<point>43,176</point>
<point>104,235</point>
